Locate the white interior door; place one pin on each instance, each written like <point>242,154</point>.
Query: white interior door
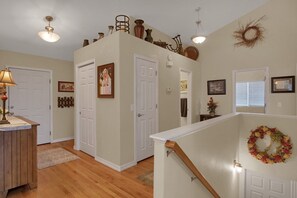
<point>30,98</point>
<point>146,107</point>
<point>86,78</point>
<point>185,93</point>
<point>261,186</point>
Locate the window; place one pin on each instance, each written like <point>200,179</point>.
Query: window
<point>250,94</point>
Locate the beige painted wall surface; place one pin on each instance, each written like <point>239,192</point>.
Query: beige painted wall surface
<point>212,150</point>
<point>277,51</point>
<point>169,104</point>
<point>108,142</point>
<point>287,125</point>
<point>61,71</point>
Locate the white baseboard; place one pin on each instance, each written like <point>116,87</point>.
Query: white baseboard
<point>63,139</point>
<point>114,166</point>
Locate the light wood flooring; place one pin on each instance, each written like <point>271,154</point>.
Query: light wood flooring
<point>87,178</point>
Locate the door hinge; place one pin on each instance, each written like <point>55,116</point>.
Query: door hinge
<point>156,73</point>
<point>156,106</point>
<point>50,81</point>
<point>50,107</point>
<point>50,132</point>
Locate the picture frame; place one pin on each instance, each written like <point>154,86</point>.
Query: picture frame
<point>216,87</point>
<point>65,86</point>
<point>183,86</point>
<point>283,84</point>
<point>105,76</point>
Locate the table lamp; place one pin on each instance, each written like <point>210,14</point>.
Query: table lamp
<point>5,80</point>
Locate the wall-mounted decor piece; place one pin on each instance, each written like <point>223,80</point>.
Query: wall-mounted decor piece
<point>105,75</point>
<point>183,85</point>
<point>64,86</point>
<point>250,34</point>
<point>216,87</point>
<point>283,84</point>
<point>278,150</point>
<point>65,102</point>
<point>122,23</point>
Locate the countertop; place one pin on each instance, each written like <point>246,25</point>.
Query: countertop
<point>15,124</point>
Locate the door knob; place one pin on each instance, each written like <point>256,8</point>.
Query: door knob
<point>139,115</point>
<point>11,107</point>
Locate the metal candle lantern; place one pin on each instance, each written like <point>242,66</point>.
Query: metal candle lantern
<point>122,23</point>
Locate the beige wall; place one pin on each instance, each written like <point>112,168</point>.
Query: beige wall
<point>61,71</point>
<point>277,51</point>
<point>169,109</point>
<point>287,125</point>
<point>212,149</point>
<point>115,120</point>
<point>108,143</point>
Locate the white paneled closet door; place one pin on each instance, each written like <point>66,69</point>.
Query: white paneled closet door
<point>30,98</point>
<point>146,107</point>
<point>87,108</point>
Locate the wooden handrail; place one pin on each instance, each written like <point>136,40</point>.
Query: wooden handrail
<point>181,154</point>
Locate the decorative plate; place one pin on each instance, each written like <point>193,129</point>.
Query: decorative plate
<point>192,52</point>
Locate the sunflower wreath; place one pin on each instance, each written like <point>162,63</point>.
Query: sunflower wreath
<point>283,150</point>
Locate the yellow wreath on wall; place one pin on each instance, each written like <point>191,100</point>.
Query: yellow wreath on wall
<point>282,152</point>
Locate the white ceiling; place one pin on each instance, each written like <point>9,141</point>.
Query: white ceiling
<point>75,20</point>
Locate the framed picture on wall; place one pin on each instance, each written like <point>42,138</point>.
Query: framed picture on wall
<point>216,87</point>
<point>183,86</point>
<point>64,86</point>
<point>105,75</point>
<point>283,84</point>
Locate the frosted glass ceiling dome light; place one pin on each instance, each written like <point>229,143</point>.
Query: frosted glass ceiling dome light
<point>48,34</point>
<point>198,38</point>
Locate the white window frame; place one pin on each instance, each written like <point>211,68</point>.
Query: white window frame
<point>266,70</point>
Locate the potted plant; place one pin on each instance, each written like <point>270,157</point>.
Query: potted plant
<point>211,107</point>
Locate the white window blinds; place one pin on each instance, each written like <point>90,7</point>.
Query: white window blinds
<point>250,94</point>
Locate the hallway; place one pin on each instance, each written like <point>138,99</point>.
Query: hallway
<point>87,178</point>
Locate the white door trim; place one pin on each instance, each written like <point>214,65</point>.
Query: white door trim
<point>189,94</point>
<point>51,92</point>
<point>267,88</point>
<point>76,104</point>
<point>134,105</point>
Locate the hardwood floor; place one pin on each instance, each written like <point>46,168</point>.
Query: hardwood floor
<point>87,178</point>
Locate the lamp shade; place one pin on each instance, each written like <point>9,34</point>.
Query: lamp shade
<point>49,36</point>
<point>6,77</point>
<point>198,39</point>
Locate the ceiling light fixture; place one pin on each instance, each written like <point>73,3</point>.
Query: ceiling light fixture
<point>198,38</point>
<point>48,34</point>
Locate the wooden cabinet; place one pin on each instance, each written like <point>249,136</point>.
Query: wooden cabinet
<point>207,117</point>
<point>18,158</point>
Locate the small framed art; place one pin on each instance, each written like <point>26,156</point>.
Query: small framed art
<point>283,84</point>
<point>105,75</point>
<point>216,87</point>
<point>64,86</point>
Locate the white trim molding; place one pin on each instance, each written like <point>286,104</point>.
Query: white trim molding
<point>63,139</point>
<point>115,166</point>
